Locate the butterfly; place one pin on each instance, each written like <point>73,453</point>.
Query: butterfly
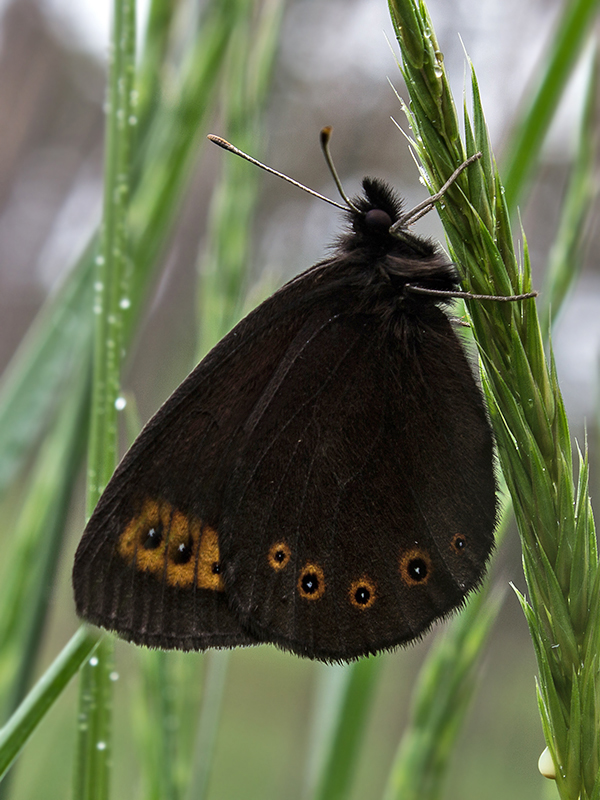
<point>323,480</point>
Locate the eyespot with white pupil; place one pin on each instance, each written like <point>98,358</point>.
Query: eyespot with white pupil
<point>179,549</point>
<point>362,593</point>
<point>415,567</point>
<point>311,582</point>
<point>458,543</point>
<point>154,537</point>
<point>379,219</point>
<point>182,553</point>
<point>279,555</point>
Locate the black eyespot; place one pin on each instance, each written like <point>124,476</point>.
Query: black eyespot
<point>154,537</point>
<point>182,553</point>
<point>279,555</point>
<point>311,583</point>
<point>362,593</point>
<point>417,569</point>
<point>459,542</point>
<point>216,568</point>
<point>378,219</point>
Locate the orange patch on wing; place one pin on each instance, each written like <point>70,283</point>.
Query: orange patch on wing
<point>153,520</point>
<point>173,546</point>
<point>209,576</point>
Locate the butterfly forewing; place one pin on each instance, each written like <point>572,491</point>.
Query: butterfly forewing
<point>148,565</point>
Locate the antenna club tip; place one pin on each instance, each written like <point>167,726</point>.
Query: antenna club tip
<point>220,141</point>
<point>325,135</point>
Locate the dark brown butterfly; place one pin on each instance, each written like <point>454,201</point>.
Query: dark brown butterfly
<point>323,480</point>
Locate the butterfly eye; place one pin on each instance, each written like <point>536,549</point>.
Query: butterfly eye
<point>378,219</point>
<point>458,543</point>
<point>216,568</point>
<point>311,583</point>
<point>362,593</point>
<point>415,567</point>
<point>279,555</point>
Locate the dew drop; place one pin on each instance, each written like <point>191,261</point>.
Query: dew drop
<point>546,765</point>
<point>93,661</point>
<point>120,403</point>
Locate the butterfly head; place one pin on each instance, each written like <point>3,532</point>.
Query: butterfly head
<point>382,250</point>
<point>374,218</point>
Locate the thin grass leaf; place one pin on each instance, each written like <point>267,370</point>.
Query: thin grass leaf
<point>442,697</point>
<point>216,664</point>
<point>572,29</point>
<point>43,363</point>
<point>34,548</point>
<point>225,260</point>
<point>566,255</point>
<point>154,51</point>
<point>345,723</point>
<point>17,731</point>
<point>91,777</point>
<point>158,716</point>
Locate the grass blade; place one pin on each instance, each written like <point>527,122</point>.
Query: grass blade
<point>522,151</point>
<point>17,731</point>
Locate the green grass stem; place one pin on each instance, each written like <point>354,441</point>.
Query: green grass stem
<point>111,293</point>
<point>424,753</point>
<point>552,508</point>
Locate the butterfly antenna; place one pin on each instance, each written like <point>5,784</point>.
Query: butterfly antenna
<point>325,137</point>
<point>425,207</point>
<point>228,146</point>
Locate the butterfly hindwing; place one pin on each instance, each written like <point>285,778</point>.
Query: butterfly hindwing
<point>356,516</point>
